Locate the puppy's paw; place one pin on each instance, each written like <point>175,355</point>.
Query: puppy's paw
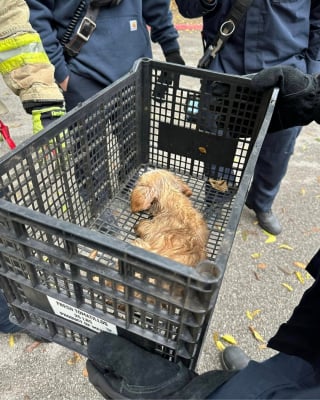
<point>142,227</point>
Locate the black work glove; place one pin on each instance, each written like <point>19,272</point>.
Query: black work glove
<point>105,3</point>
<point>165,78</point>
<point>298,101</point>
<point>209,5</point>
<point>174,57</point>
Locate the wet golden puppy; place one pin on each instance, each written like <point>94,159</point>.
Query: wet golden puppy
<point>177,230</point>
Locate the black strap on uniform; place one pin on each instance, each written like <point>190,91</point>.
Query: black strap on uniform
<point>74,21</point>
<point>226,29</point>
<point>84,32</point>
<point>87,26</point>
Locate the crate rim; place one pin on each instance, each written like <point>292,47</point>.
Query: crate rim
<point>42,136</point>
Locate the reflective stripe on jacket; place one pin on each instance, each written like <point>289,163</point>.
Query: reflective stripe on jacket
<point>24,65</point>
<point>20,50</point>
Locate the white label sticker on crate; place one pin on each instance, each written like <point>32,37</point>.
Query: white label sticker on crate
<point>81,317</point>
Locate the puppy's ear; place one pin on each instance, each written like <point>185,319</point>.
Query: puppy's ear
<point>142,198</point>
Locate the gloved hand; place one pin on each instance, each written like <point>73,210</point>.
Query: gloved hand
<point>174,57</point>
<point>42,117</point>
<point>298,101</point>
<point>165,78</point>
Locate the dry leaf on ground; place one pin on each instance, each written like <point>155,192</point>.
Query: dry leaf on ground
<point>229,338</point>
<point>287,286</point>
<point>299,276</point>
<point>271,238</point>
<point>74,359</point>
<point>256,334</point>
<point>216,338</point>
<point>255,255</point>
<point>285,246</point>
<point>252,314</point>
<point>32,346</point>
<point>299,264</point>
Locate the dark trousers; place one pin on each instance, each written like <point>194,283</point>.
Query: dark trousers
<point>279,377</point>
<point>271,168</point>
<point>79,90</point>
<point>6,326</point>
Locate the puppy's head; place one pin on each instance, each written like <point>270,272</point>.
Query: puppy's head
<point>152,186</point>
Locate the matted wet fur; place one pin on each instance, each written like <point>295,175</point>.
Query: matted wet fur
<point>176,230</point>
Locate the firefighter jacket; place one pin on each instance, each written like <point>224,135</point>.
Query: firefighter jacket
<point>24,65</point>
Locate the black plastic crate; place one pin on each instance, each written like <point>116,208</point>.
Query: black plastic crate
<point>67,267</point>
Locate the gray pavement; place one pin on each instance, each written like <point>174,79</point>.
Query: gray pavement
<point>48,371</point>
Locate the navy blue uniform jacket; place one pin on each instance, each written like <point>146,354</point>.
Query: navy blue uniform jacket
<point>120,38</point>
<point>273,32</point>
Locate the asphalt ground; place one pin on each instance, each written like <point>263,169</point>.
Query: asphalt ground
<point>253,281</point>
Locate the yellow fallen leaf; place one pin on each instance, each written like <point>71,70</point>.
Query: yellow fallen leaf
<point>229,338</point>
<point>252,314</point>
<point>11,340</point>
<point>64,208</point>
<point>262,266</point>
<point>262,346</point>
<point>285,246</point>
<point>256,334</point>
<point>299,276</point>
<point>271,238</point>
<point>255,313</point>
<point>249,315</point>
<point>244,235</point>
<point>74,359</point>
<point>220,345</point>
<point>290,288</point>
<point>303,192</point>
<point>307,276</point>
<point>216,338</point>
<point>255,255</point>
<point>85,373</point>
<point>299,264</point>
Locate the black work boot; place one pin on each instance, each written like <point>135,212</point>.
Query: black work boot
<point>267,220</point>
<point>233,358</point>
